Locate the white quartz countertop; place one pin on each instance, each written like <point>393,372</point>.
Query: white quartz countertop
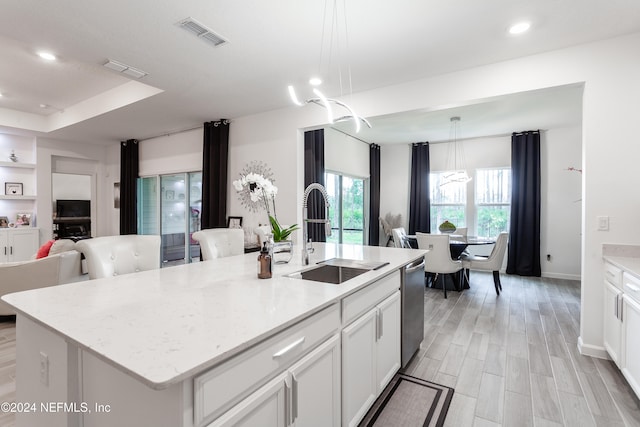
<point>629,264</point>
<point>166,325</point>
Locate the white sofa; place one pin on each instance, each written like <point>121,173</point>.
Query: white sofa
<point>53,270</point>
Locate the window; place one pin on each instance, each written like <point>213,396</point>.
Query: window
<point>448,202</point>
<point>493,201</point>
<point>346,210</point>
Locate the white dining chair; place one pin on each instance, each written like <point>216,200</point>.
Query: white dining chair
<point>400,238</point>
<point>220,242</point>
<point>438,258</point>
<point>491,263</point>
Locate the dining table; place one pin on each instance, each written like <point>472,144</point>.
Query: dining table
<point>458,243</point>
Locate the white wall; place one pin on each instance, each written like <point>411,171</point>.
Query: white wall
<point>176,153</point>
<point>610,97</point>
<point>345,154</point>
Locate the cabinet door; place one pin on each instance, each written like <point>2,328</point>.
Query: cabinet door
<point>631,343</point>
<point>264,408</point>
<point>315,387</point>
<point>388,348</point>
<point>23,244</point>
<point>4,245</point>
<point>359,365</point>
<point>612,324</point>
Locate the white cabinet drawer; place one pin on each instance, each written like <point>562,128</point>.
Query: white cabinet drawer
<point>631,286</point>
<point>613,275</point>
<point>358,303</point>
<point>225,385</point>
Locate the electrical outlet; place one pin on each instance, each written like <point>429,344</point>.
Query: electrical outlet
<point>603,223</point>
<point>44,368</point>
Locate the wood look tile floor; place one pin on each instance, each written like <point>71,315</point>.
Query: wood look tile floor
<point>513,360</point>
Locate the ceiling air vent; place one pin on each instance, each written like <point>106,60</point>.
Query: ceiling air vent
<point>206,34</point>
<point>125,69</point>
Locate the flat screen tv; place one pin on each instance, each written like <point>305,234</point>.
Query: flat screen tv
<point>73,208</point>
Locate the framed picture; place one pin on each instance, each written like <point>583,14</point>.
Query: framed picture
<point>23,219</point>
<point>4,222</point>
<point>13,188</point>
<point>234,222</point>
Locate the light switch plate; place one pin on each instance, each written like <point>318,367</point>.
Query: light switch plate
<point>603,223</point>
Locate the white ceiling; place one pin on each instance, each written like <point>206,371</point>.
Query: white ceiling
<point>271,44</point>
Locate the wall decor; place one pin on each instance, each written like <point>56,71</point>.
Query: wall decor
<point>23,219</point>
<point>256,167</point>
<point>234,222</point>
<point>4,222</point>
<point>13,188</point>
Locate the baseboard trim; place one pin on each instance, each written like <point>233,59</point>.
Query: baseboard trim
<point>592,350</point>
<point>561,276</point>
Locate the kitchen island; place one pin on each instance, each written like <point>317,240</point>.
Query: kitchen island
<point>209,342</point>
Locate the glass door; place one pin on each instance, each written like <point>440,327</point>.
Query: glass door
<point>346,210</point>
<point>170,205</point>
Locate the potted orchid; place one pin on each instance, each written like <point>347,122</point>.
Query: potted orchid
<point>262,191</point>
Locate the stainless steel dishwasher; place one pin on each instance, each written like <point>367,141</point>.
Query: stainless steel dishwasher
<point>412,290</point>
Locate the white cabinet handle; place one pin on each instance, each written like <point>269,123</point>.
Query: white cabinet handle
<point>381,320</point>
<point>634,288</point>
<point>294,403</point>
<point>288,348</point>
<point>615,306</point>
<point>288,419</point>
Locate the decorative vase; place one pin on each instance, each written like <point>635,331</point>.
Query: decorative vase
<point>447,227</point>
<point>282,252</point>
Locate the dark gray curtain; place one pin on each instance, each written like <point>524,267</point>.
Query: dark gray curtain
<point>419,197</point>
<point>129,166</point>
<point>374,195</point>
<point>214,174</point>
<point>314,172</point>
<point>524,233</point>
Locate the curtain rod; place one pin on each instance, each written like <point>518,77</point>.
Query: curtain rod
<point>344,133</point>
<point>483,136</point>
<point>226,121</point>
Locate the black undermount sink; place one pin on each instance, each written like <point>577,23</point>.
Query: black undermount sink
<point>329,274</point>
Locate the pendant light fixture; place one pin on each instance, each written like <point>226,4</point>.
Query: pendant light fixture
<point>318,98</point>
<point>456,170</point>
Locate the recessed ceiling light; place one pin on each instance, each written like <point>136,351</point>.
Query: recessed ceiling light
<point>43,106</point>
<point>519,28</point>
<point>315,81</point>
<point>0,94</point>
<point>46,55</point>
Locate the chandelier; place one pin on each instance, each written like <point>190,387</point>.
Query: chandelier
<point>331,13</point>
<point>456,171</point>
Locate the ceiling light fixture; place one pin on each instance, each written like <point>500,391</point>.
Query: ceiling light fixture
<point>47,56</point>
<point>331,15</point>
<point>455,157</point>
<point>519,28</point>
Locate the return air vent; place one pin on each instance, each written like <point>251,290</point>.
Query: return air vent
<point>196,28</point>
<point>125,69</point>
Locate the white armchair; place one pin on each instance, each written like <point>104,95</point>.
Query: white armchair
<point>38,273</point>
<point>114,255</point>
<point>220,242</point>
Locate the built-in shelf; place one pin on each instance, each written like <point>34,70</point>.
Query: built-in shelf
<point>18,165</point>
<point>9,197</point>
